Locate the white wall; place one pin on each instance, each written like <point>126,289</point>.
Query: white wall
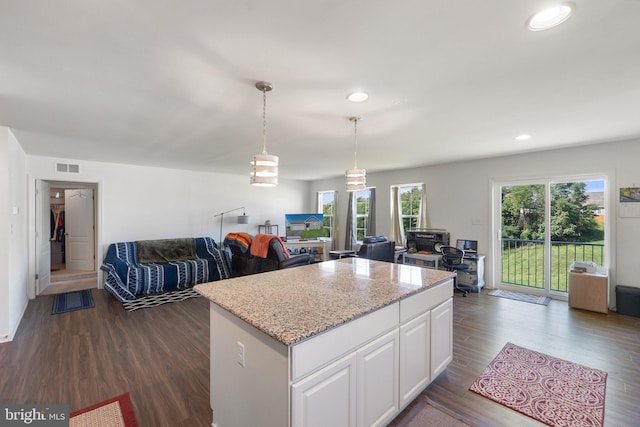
<point>459,195</point>
<point>138,203</point>
<point>13,234</point>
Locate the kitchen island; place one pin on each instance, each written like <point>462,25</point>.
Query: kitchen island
<point>342,343</point>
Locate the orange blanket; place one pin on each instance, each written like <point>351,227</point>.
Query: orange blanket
<point>260,245</point>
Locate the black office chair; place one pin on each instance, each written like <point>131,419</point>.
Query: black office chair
<point>452,261</point>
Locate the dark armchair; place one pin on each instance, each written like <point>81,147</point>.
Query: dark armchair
<point>377,248</point>
<point>264,252</point>
<point>277,259</point>
<point>452,261</point>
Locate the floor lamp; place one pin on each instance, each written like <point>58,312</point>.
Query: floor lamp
<point>242,219</point>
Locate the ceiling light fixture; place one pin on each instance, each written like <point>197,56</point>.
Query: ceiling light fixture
<point>358,96</point>
<point>355,178</point>
<point>264,166</point>
<point>523,137</point>
<point>550,17</point>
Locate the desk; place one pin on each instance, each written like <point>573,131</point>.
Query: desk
<point>422,260</point>
<point>320,248</point>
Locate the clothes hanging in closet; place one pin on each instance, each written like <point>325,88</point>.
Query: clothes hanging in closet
<point>57,231</point>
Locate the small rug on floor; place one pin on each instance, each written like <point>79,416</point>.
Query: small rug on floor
<point>72,301</point>
<point>551,390</point>
<point>116,412</point>
<point>534,299</point>
<point>154,300</point>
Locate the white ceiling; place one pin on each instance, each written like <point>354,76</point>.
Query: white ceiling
<point>171,83</point>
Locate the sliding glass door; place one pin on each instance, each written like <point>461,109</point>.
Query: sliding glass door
<point>543,227</point>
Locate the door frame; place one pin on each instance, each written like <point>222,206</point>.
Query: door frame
<point>96,185</point>
<point>496,224</point>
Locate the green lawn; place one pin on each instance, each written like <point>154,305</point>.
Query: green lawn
<point>524,265</point>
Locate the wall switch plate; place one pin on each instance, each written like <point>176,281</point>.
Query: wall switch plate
<point>240,354</point>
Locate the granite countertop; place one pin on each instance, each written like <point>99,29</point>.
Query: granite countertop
<point>294,304</point>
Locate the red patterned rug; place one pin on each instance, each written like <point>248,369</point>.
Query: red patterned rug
<point>115,412</point>
<point>551,390</point>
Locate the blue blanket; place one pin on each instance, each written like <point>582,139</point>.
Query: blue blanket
<point>126,278</point>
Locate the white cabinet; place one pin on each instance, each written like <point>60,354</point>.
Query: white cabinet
<point>395,360</point>
<point>377,379</point>
<point>361,373</point>
<point>328,397</point>
<point>360,389</point>
<point>415,358</point>
<point>441,337</point>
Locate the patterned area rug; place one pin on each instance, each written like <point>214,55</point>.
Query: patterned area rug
<point>72,301</point>
<point>551,390</point>
<point>534,299</point>
<point>116,412</point>
<point>159,299</point>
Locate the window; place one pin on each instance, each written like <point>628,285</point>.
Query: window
<point>410,198</point>
<point>361,209</point>
<point>327,207</point>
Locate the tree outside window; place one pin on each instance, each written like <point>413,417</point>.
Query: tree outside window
<point>410,197</point>
<point>362,213</point>
<point>327,206</point>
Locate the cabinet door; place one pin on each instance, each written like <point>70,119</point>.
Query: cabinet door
<point>415,358</point>
<point>328,397</point>
<point>441,337</point>
<point>378,381</point>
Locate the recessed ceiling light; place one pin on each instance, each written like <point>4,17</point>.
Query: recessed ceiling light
<point>523,137</point>
<point>358,97</point>
<point>550,17</point>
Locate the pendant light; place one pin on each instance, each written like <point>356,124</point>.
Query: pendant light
<point>264,166</point>
<point>355,178</point>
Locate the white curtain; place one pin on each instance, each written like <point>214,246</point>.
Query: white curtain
<point>334,226</point>
<point>423,219</point>
<point>397,230</point>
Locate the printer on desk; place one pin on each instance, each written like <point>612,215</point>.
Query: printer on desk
<point>587,267</point>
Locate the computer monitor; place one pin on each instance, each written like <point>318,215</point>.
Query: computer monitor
<point>469,246</point>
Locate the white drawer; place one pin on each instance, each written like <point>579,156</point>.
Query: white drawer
<point>419,303</point>
<point>311,355</point>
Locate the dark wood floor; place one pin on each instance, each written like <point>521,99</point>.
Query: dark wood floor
<point>161,357</point>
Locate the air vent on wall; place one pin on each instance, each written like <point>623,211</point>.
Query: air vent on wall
<point>67,167</point>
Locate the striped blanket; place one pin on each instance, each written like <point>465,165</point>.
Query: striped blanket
<point>240,239</point>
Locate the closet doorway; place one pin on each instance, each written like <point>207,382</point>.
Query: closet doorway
<point>67,226</point>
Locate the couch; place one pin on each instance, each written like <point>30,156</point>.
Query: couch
<point>154,266</point>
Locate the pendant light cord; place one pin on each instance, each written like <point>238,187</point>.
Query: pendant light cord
<point>355,145</point>
<point>264,121</point>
